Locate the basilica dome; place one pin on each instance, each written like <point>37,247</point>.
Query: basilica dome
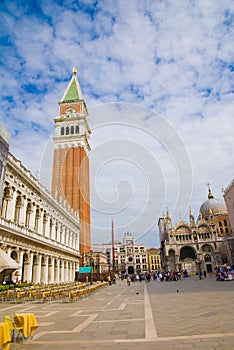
<point>212,206</point>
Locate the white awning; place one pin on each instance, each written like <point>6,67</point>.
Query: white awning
<point>7,263</point>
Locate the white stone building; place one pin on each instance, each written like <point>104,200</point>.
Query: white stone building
<point>129,257</point>
<point>36,231</point>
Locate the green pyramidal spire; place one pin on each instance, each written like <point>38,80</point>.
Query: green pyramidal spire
<point>73,91</point>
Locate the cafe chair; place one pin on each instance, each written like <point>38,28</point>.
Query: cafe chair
<point>14,328</point>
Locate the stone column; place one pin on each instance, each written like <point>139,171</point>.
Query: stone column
<point>31,267</point>
<point>56,231</point>
<point>11,205</point>
<point>32,217</point>
<point>66,271</point>
<point>51,270</point>
<point>65,236</point>
<point>73,271</point>
<point>46,231</point>
<point>61,275</point>
<point>29,215</point>
<point>44,269</point>
<point>23,211</point>
<point>27,267</point>
<point>7,199</point>
<point>69,269</point>
<point>73,240</point>
<point>71,278</point>
<point>37,269</point>
<point>52,229</point>
<point>56,271</point>
<point>38,220</point>
<point>18,208</point>
<point>61,234</point>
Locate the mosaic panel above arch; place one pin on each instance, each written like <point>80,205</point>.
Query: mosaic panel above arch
<point>188,252</point>
<point>207,248</point>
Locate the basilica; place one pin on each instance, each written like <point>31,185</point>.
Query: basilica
<point>197,245</point>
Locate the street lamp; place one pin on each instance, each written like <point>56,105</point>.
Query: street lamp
<point>98,266</point>
<point>91,267</point>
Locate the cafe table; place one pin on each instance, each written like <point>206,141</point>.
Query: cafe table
<point>28,321</point>
<point>5,336</point>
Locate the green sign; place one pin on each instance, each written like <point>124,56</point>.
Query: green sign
<point>85,269</point>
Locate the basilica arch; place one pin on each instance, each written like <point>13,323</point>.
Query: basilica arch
<point>188,259</point>
<point>188,253</point>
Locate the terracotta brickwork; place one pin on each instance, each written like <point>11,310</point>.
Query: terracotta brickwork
<point>76,106</point>
<point>71,183</point>
<point>79,107</point>
<point>70,176</point>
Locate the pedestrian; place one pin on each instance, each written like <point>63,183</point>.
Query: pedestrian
<point>128,280</point>
<point>148,277</point>
<point>109,279</point>
<point>204,273</point>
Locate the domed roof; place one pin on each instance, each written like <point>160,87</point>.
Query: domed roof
<point>213,206</point>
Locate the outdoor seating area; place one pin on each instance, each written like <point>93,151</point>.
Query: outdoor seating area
<point>65,292</point>
<point>17,327</point>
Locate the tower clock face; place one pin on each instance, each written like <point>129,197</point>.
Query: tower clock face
<point>69,112</point>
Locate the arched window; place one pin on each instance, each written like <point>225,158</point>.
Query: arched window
<point>67,130</point>
<point>207,258</point>
<point>37,218</point>
<point>77,129</point>
<point>62,130</point>
<point>72,129</point>
<point>224,259</point>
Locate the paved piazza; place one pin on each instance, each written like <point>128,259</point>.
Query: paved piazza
<point>187,314</point>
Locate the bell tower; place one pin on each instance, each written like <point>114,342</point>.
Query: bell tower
<point>70,175</point>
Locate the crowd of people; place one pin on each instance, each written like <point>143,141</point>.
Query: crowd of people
<point>158,276</point>
<point>224,273</point>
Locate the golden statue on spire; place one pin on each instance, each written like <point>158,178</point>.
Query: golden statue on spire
<point>210,194</point>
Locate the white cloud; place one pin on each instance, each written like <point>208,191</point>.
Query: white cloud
<point>174,57</point>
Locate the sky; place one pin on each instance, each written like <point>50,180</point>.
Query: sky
<point>158,80</point>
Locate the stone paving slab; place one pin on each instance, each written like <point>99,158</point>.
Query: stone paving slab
<point>187,314</point>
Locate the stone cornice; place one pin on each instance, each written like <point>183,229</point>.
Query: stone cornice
<point>14,232</point>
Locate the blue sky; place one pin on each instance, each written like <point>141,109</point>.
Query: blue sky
<point>157,77</point>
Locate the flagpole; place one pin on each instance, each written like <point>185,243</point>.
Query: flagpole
<point>113,246</point>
